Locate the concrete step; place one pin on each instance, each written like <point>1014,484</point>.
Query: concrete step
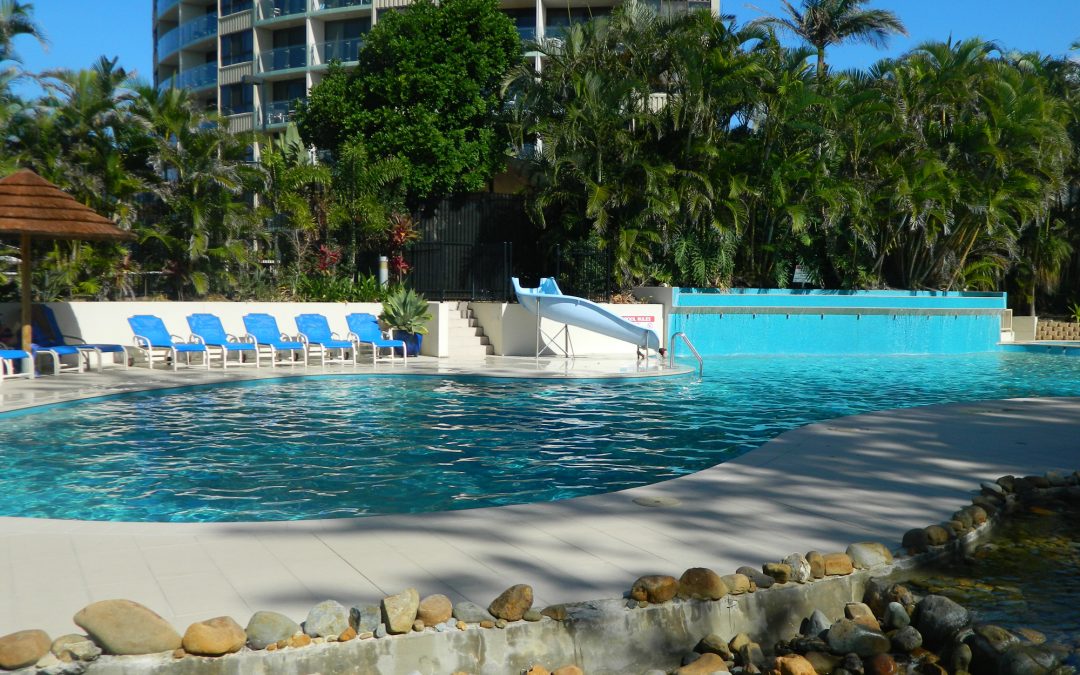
<point>467,331</point>
<point>472,350</point>
<point>468,340</point>
<point>462,321</point>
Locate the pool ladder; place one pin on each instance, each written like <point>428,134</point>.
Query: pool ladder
<point>671,352</point>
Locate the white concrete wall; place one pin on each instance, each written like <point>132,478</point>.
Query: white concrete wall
<point>512,329</point>
<point>1024,328</point>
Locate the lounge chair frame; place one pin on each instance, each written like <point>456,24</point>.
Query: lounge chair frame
<point>220,344</point>
<point>314,331</point>
<point>283,343</point>
<point>154,353</point>
<point>372,343</point>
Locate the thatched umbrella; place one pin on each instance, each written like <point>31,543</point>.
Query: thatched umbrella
<point>31,206</point>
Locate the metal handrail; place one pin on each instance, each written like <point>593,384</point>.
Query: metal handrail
<point>671,354</point>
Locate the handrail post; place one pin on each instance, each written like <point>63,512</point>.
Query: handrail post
<point>671,351</point>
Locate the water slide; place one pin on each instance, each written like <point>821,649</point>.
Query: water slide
<point>548,302</point>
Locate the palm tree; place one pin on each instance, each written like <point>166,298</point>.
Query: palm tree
<point>16,18</point>
<point>830,22</point>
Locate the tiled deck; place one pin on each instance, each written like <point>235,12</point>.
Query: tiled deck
<point>818,487</point>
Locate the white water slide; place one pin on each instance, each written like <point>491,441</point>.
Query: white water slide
<point>547,301</point>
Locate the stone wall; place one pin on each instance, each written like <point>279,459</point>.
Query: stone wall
<point>1048,329</point>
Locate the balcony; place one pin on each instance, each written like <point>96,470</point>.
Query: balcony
<point>341,50</point>
<point>238,109</point>
<point>527,33</point>
<point>164,6</point>
<point>186,34</point>
<point>165,84</point>
<point>320,5</point>
<point>198,77</point>
<point>275,9</point>
<point>278,113</point>
<point>283,58</point>
<point>230,7</point>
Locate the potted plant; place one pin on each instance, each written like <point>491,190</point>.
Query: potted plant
<point>405,313</point>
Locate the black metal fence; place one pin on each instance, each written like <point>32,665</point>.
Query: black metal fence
<point>584,270</point>
<point>460,271</point>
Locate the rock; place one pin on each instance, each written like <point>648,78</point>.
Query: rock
<point>399,611</point>
<point>1027,660</point>
<point>418,626</point>
<point>963,516</point>
<point>701,583</point>
<point>756,577</point>
<point>23,648</point>
<point>852,663</point>
<point>802,645</point>
<point>347,634</point>
<point>329,617</point>
<point>881,664</point>
<point>708,663</point>
<point>822,662</point>
<point>838,564</point>
<point>532,616</point>
<point>655,588</point>
<point>817,564</point>
<point>936,535</point>
<point>956,657</point>
<point>906,639</point>
<point>800,568</point>
<point>986,504</point>
<point>365,618</point>
<point>750,654</point>
<point>1031,635</point>
<point>778,571</point>
<point>992,489</point>
<point>869,554</point>
<point>74,647</point>
<point>512,603</point>
<point>793,664</point>
<point>214,637</point>
<point>567,670</point>
<point>1008,483</point>
<point>896,616</point>
<point>738,642</point>
<point>938,618</point>
<point>861,614</point>
<point>470,612</point>
<point>487,624</point>
<point>537,669</point>
<point>367,635</point>
<point>988,642</point>
<point>434,609</point>
<point>714,644</point>
<point>846,636</point>
<point>299,640</point>
<point>978,515</point>
<point>123,627</point>
<point>816,624</point>
<point>737,584</point>
<point>915,541</point>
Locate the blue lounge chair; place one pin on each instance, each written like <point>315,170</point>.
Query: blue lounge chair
<point>8,357</point>
<point>153,340</point>
<point>48,337</point>
<point>364,330</point>
<point>54,352</point>
<point>262,329</point>
<point>207,329</point>
<point>316,334</point>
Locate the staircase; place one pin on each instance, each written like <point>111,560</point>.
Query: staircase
<point>467,337</point>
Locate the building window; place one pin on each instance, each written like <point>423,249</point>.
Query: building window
<point>234,6</point>
<point>289,90</point>
<point>237,99</point>
<point>236,48</point>
<point>558,20</point>
<point>525,21</point>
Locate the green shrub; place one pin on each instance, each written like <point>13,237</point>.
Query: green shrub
<point>405,309</point>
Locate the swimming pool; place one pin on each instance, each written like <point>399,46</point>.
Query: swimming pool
<point>341,446</point>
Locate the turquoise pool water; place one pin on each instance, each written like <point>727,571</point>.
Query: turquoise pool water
<point>329,447</point>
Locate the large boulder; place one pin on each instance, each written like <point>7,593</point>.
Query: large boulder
<point>214,637</point>
<point>938,618</point>
<point>701,583</point>
<point>655,588</point>
<point>126,628</point>
<point>512,603</point>
<point>846,637</point>
<point>327,618</point>
<point>399,611</point>
<point>266,628</point>
<point>22,649</point>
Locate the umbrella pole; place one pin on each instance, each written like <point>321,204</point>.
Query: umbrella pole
<point>24,268</point>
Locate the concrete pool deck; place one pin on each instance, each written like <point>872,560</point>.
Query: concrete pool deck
<point>819,487</point>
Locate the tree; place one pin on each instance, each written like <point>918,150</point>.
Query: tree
<point>823,23</point>
<point>16,18</point>
<point>427,91</point>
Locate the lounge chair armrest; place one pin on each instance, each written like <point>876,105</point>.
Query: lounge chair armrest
<point>249,338</point>
<point>232,338</point>
<point>74,337</point>
<point>197,339</point>
<point>300,337</point>
<point>175,338</point>
<point>352,337</point>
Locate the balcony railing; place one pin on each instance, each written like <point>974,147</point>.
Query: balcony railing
<point>164,6</point>
<point>527,33</point>
<point>340,4</point>
<point>279,112</point>
<point>272,9</point>
<point>197,77</point>
<point>186,33</point>
<point>342,50</point>
<point>238,109</point>
<point>283,58</point>
<point>165,84</point>
<point>229,7</point>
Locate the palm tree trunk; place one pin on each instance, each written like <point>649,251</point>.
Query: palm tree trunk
<point>821,63</point>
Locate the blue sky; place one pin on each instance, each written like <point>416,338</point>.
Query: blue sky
<point>80,31</point>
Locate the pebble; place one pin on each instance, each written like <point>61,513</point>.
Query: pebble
<point>906,639</point>
<point>418,626</point>
<point>367,635</point>
<point>896,616</point>
<point>532,615</point>
<point>816,624</point>
<point>500,623</point>
<point>461,625</point>
<point>487,624</point>
<point>381,631</point>
<point>881,664</point>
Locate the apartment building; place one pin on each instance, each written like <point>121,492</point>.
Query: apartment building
<point>251,60</point>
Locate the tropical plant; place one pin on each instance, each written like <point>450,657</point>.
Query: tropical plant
<point>405,310</point>
<point>16,18</point>
<point>823,23</point>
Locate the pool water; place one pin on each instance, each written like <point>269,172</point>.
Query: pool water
<point>341,446</point>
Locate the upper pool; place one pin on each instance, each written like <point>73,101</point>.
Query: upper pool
<point>330,447</point>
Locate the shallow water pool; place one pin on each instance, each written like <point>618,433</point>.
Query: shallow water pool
<point>341,446</point>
